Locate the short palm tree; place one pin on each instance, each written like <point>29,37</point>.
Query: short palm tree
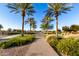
<point>30,19</point>
<point>1,27</point>
<point>46,23</point>
<point>34,25</point>
<point>57,9</point>
<point>20,7</point>
<point>31,22</point>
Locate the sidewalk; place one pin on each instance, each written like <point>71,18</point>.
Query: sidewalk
<point>40,48</point>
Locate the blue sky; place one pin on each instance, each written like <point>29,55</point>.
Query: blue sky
<point>10,20</point>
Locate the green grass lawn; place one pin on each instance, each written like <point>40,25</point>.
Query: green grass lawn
<point>17,41</point>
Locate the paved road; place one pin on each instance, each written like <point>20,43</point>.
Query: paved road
<point>11,36</point>
<point>5,38</point>
<point>2,39</point>
<point>40,47</point>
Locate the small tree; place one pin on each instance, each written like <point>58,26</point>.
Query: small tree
<point>59,31</point>
<point>65,28</point>
<point>1,27</point>
<point>9,30</point>
<point>74,28</point>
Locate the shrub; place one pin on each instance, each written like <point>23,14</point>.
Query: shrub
<point>68,46</point>
<point>32,32</point>
<point>12,33</point>
<point>52,40</point>
<point>17,41</point>
<point>65,46</point>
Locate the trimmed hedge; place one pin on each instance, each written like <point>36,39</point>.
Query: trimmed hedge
<point>17,41</point>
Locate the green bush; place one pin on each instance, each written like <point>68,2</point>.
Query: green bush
<point>17,41</point>
<point>65,46</point>
<point>52,40</point>
<point>12,33</point>
<point>32,32</point>
<point>68,46</point>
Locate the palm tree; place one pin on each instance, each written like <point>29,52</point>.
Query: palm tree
<point>20,7</point>
<point>34,25</point>
<point>46,23</point>
<point>57,9</point>
<point>1,27</point>
<point>31,22</point>
<point>30,19</point>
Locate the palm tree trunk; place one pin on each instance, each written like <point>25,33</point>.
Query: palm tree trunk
<point>23,15</point>
<point>47,28</point>
<point>33,29</point>
<point>22,26</point>
<point>30,27</point>
<point>57,26</point>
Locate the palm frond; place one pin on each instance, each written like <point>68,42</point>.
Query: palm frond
<point>13,7</point>
<point>59,7</point>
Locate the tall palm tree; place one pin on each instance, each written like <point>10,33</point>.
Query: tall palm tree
<point>57,9</point>
<point>1,27</point>
<point>20,7</point>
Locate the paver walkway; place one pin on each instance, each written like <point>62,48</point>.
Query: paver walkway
<point>41,48</point>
